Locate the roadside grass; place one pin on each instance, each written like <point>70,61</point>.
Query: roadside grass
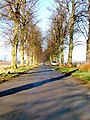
<point>64,69</point>
<point>13,73</point>
<point>82,75</point>
<point>22,69</point>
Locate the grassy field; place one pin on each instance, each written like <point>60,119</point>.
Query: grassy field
<point>7,73</point>
<point>82,75</point>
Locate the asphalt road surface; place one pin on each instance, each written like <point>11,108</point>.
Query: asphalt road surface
<point>44,94</point>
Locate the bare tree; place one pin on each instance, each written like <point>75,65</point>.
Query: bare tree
<point>10,10</point>
<point>71,32</point>
<point>22,31</point>
<point>26,19</point>
<point>58,33</point>
<point>17,12</point>
<point>88,41</point>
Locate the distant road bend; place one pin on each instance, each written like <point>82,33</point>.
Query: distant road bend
<point>44,94</point>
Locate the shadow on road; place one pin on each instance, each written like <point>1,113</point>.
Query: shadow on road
<point>32,85</point>
<point>44,71</point>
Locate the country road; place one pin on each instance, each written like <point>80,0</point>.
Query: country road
<point>44,94</point>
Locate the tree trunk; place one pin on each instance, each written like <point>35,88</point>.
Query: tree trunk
<point>27,59</point>
<point>15,37</point>
<point>14,56</point>
<point>27,53</point>
<point>88,41</point>
<point>22,33</point>
<point>71,34</point>
<point>14,47</point>
<point>88,52</point>
<point>70,51</point>
<point>62,54</point>
<point>50,58</point>
<point>31,59</point>
<point>22,55</point>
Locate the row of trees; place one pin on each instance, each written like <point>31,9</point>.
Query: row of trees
<point>18,22</point>
<point>70,19</point>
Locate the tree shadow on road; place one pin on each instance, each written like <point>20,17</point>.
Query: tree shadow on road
<point>32,85</point>
<point>36,72</point>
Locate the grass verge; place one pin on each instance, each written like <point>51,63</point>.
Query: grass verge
<point>82,75</point>
<point>13,73</point>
